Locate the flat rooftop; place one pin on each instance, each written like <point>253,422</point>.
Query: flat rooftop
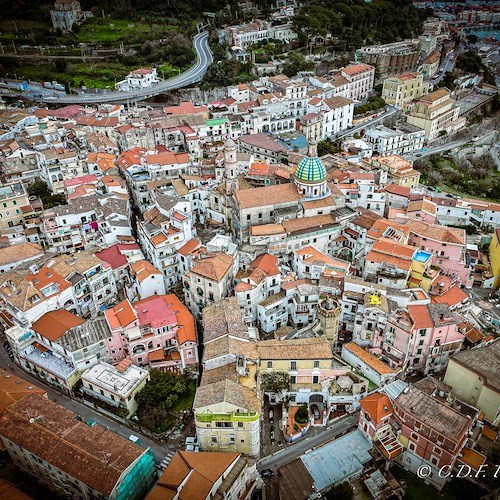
<point>109,378</point>
<point>338,460</point>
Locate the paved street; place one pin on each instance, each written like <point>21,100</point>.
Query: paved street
<point>194,74</point>
<point>366,124</point>
<point>86,413</point>
<point>289,454</point>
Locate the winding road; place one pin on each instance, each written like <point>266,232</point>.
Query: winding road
<point>194,74</point>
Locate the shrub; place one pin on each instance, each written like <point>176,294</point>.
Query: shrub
<point>302,415</point>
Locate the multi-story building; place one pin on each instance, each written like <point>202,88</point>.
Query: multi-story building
<point>404,138</point>
<point>337,114</point>
<point>399,170</point>
<point>260,281</point>
<point>388,263</point>
<point>361,78</point>
<point>17,255</point>
<point>166,228</point>
<point>66,13</point>
<point>446,244</point>
<point>311,124</point>
<point>473,377</point>
<point>73,459</point>
<point>158,331</point>
<point>226,476</point>
<point>309,263</point>
<point>140,78</point>
<point>26,296</point>
<point>313,375</point>
<point>93,280</point>
<point>227,408</point>
<point>430,65</point>
<point>435,433</point>
<point>115,385</point>
<point>391,58</point>
<point>436,113</point>
<point>208,281</point>
<point>146,281</point>
<point>401,89</point>
<point>248,34</point>
<point>13,199</point>
<point>422,338</point>
<point>59,346</point>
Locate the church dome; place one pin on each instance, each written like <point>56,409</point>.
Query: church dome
<point>310,169</point>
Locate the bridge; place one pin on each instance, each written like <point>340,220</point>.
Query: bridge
<point>193,75</point>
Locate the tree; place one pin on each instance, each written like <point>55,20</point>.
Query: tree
<point>328,147</point>
<point>296,63</point>
<point>342,491</point>
<point>158,397</point>
<point>302,415</point>
<point>275,382</point>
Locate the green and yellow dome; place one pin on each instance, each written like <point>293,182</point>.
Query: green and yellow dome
<point>310,169</point>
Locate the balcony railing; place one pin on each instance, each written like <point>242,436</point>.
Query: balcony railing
<point>227,417</point>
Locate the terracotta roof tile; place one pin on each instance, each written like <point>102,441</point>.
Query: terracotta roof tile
<point>377,405</point>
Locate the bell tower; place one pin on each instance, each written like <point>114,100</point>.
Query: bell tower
<point>230,166</point>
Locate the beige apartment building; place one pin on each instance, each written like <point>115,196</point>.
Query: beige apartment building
<point>436,113</point>
<point>400,89</point>
<point>12,198</point>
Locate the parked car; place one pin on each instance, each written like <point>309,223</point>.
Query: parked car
<point>267,473</point>
<point>315,411</point>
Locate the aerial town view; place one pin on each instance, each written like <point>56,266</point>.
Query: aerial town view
<point>250,249</point>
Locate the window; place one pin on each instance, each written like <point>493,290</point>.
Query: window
<point>269,364</point>
<point>214,439</point>
<point>422,332</point>
<point>240,424</point>
<point>223,424</point>
<point>315,379</point>
<point>293,365</point>
<point>316,364</point>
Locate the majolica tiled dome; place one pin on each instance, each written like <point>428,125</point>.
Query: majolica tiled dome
<point>310,169</point>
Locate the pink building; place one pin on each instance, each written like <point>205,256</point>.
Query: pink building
<point>447,244</point>
<point>158,331</point>
<point>421,338</point>
<point>376,411</point>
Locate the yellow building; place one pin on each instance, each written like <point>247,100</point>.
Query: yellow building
<point>435,113</point>
<point>430,65</point>
<point>12,198</point>
<point>401,171</point>
<point>422,274</point>
<point>226,413</point>
<point>495,257</point>
<point>400,89</point>
<point>474,376</point>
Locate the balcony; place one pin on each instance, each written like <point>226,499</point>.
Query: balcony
<point>227,417</point>
<point>305,386</point>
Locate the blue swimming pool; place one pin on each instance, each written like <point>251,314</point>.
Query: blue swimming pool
<point>422,256</point>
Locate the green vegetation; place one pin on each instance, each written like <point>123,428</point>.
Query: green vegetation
<point>357,22</point>
<point>374,103</point>
<point>327,147</point>
<point>302,415</point>
<point>223,72</point>
<point>275,381</point>
<point>164,395</point>
<point>49,200</point>
<point>468,176</point>
<point>342,491</point>
<point>297,62</point>
<point>470,62</point>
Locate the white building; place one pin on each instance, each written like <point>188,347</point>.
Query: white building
<point>404,138</point>
<point>337,114</point>
<point>138,79</point>
<point>116,385</point>
<point>361,78</point>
